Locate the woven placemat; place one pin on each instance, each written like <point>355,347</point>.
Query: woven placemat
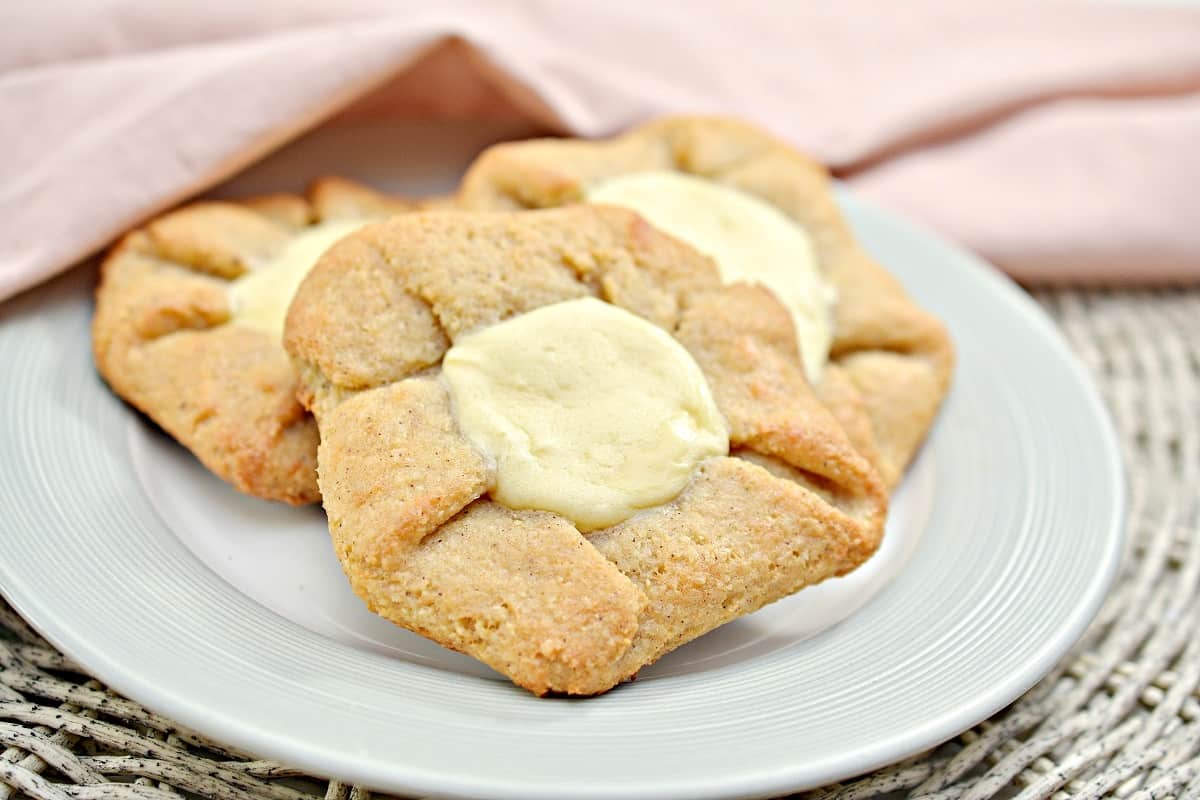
<point>1119,716</point>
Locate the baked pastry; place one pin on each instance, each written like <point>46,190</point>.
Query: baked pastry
<point>412,497</point>
<point>183,334</point>
<point>889,362</point>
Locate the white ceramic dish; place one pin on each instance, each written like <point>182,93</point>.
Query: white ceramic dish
<point>229,614</point>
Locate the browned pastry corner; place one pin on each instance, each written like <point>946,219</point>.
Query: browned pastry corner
<point>891,361</point>
<point>161,339</point>
<point>524,591</point>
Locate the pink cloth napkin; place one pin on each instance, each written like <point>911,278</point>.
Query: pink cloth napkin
<point>1058,140</point>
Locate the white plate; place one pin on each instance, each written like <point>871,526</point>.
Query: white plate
<point>229,615</point>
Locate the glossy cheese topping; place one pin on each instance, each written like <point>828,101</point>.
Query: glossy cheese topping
<point>587,410</point>
<point>750,240</point>
<point>261,297</point>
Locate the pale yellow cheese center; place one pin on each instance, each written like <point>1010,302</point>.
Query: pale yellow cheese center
<point>261,297</point>
<point>586,410</point>
<point>750,240</point>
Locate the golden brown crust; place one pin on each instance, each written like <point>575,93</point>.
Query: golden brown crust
<point>519,590</point>
<point>894,360</point>
<point>291,211</point>
<point>736,539</point>
<point>524,591</point>
<point>226,392</point>
<point>332,198</point>
<point>218,238</point>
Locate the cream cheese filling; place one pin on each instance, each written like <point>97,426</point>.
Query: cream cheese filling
<point>750,240</point>
<point>261,297</point>
<point>585,409</point>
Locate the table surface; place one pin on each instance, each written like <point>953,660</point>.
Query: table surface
<point>1119,716</point>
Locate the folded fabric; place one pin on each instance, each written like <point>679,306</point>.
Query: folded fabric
<point>1057,140</point>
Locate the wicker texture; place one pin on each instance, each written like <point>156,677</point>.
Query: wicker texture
<point>1119,716</point>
